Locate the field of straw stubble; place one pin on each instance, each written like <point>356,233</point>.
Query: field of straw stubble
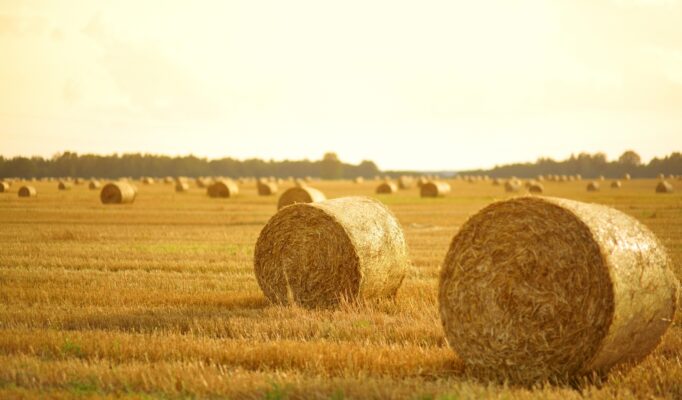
<point>158,299</point>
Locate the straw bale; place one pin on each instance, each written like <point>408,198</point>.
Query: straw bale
<point>94,185</point>
<point>64,185</point>
<point>27,191</point>
<point>223,188</point>
<point>616,185</point>
<point>435,189</point>
<point>593,186</point>
<point>321,254</point>
<point>120,192</point>
<point>267,188</point>
<point>539,288</point>
<point>300,195</point>
<point>664,187</point>
<point>387,188</point>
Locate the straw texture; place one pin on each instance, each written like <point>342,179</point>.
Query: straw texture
<point>539,288</point>
<point>27,191</point>
<point>300,195</point>
<point>320,254</point>
<point>118,193</point>
<point>222,188</point>
<point>434,189</point>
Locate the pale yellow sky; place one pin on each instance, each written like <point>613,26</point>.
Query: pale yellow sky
<point>419,84</point>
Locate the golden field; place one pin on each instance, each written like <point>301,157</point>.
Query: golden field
<point>157,299</point>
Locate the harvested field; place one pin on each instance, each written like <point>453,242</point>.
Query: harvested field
<point>159,299</point>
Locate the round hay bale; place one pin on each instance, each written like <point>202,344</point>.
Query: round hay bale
<point>4,187</point>
<point>405,182</point>
<point>601,178</point>
<point>64,185</point>
<point>181,186</point>
<point>94,185</point>
<point>387,188</point>
<point>537,288</point>
<point>168,180</point>
<point>664,187</point>
<point>540,178</point>
<point>593,186</point>
<point>119,192</point>
<point>78,181</point>
<point>616,185</point>
<point>202,182</point>
<point>267,188</point>
<point>435,189</point>
<point>512,186</point>
<point>421,181</point>
<point>497,182</point>
<point>536,188</point>
<point>359,179</point>
<point>27,191</point>
<point>223,188</point>
<point>661,177</point>
<point>578,177</point>
<point>320,254</point>
<point>148,181</point>
<point>626,177</point>
<point>300,195</point>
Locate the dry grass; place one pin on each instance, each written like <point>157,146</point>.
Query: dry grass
<point>158,299</point>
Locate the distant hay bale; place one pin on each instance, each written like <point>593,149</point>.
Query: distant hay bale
<point>320,254</point>
<point>626,177</point>
<point>601,178</point>
<point>405,182</point>
<point>222,188</point>
<point>202,182</point>
<point>359,179</point>
<point>267,188</point>
<point>536,188</point>
<point>540,178</point>
<point>578,177</point>
<point>512,186</point>
<point>435,189</point>
<point>539,288</point>
<point>148,181</point>
<point>4,186</point>
<point>299,183</point>
<point>661,177</point>
<point>421,181</point>
<point>119,192</point>
<point>593,186</point>
<point>64,185</point>
<point>497,182</point>
<point>168,180</point>
<point>563,178</point>
<point>300,195</point>
<point>616,185</point>
<point>27,191</point>
<point>181,186</point>
<point>94,185</point>
<point>664,187</point>
<point>78,181</point>
<point>387,188</point>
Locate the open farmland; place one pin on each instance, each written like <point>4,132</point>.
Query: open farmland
<point>158,298</point>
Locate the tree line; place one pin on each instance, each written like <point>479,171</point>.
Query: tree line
<point>70,164</point>
<point>590,166</point>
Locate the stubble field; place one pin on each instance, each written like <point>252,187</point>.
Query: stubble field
<point>158,299</point>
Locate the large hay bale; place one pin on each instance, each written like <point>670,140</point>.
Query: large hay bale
<point>120,192</point>
<point>27,191</point>
<point>387,188</point>
<point>405,182</point>
<point>435,189</point>
<point>223,188</point>
<point>4,186</point>
<point>181,186</point>
<point>593,186</point>
<point>319,254</point>
<point>616,185</point>
<point>300,195</point>
<point>64,185</point>
<point>512,186</point>
<point>536,188</point>
<point>539,288</point>
<point>94,185</point>
<point>266,188</point>
<point>664,187</point>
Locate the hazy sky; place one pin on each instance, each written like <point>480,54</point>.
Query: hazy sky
<point>418,84</point>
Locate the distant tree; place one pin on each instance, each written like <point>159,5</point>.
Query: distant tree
<point>331,167</point>
<point>630,158</point>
